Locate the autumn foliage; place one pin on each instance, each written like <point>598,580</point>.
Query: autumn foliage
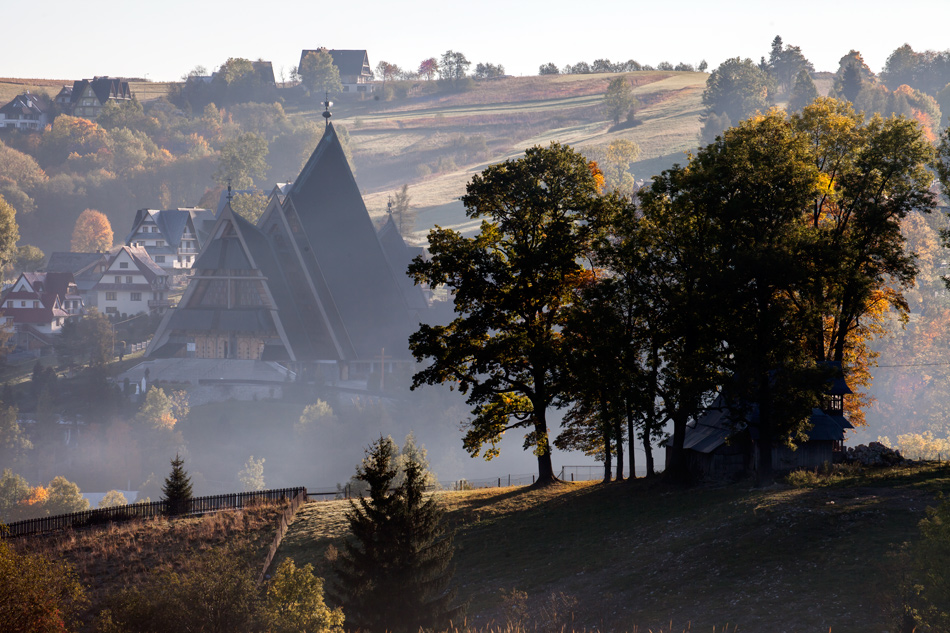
<point>92,234</point>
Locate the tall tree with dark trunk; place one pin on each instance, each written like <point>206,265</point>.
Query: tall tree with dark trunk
<point>511,284</point>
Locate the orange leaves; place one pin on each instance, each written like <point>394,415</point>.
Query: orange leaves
<point>38,497</point>
<point>92,233</point>
<point>599,181</point>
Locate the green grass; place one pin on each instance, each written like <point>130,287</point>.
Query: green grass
<point>643,555</point>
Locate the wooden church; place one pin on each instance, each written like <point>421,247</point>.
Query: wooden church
<point>311,283</point>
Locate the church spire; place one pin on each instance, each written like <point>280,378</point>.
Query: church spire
<point>326,106</point>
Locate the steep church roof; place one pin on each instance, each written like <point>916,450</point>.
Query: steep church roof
<point>344,249</point>
<point>316,256</point>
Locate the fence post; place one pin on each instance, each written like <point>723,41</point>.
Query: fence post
<point>509,480</point>
<point>499,482</point>
<point>532,479</point>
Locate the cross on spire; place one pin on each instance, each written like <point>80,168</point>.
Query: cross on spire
<point>326,106</point>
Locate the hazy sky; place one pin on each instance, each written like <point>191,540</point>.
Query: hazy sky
<point>164,40</point>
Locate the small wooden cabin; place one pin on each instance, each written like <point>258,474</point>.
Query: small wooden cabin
<point>721,445</point>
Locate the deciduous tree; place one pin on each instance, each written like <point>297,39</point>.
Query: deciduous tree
<point>38,594</point>
<point>64,497</point>
<point>319,74</point>
<point>92,233</point>
<point>242,160</point>
<point>619,100</point>
<point>511,283</point>
<point>735,90</point>
<point>429,68</point>
<point>404,215</point>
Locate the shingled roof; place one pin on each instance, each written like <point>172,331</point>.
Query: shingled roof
<point>316,253</point>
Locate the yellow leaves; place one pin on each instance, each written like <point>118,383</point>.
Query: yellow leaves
<point>92,233</point>
<point>599,181</point>
<point>38,497</point>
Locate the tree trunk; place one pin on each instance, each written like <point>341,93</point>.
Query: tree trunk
<point>648,450</point>
<point>764,474</point>
<point>631,439</point>
<point>618,432</point>
<point>546,475</point>
<point>676,470</point>
<point>605,430</point>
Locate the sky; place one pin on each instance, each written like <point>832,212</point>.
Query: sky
<point>162,41</point>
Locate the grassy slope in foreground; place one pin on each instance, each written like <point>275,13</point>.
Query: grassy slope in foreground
<point>780,559</point>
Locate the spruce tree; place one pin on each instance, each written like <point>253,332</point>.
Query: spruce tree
<point>394,573</point>
<point>177,489</point>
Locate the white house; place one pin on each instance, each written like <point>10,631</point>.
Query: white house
<point>24,112</point>
<point>38,304</point>
<point>131,283</point>
<point>172,237</point>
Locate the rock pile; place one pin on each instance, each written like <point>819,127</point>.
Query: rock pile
<point>873,454</point>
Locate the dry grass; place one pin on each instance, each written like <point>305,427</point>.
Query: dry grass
<point>644,555</point>
<point>406,141</point>
<point>123,554</point>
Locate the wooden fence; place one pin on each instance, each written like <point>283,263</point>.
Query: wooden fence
<point>282,526</point>
<point>102,516</point>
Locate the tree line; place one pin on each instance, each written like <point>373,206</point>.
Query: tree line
<point>775,250</point>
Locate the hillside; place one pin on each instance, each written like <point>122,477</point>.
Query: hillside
<point>435,141</point>
<point>781,559</point>
<point>638,554</point>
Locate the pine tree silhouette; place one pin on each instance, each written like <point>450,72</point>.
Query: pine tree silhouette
<point>177,489</point>
<point>394,573</point>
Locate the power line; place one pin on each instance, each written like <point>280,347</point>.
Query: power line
<point>916,365</point>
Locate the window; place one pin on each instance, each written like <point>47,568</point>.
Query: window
<point>112,310</point>
<point>159,259</point>
<point>23,304</point>
<point>36,304</point>
<point>159,242</point>
<point>118,279</point>
<point>110,296</point>
<point>136,296</point>
<point>123,264</point>
<point>128,279</point>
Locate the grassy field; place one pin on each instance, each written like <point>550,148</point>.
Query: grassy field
<point>642,555</point>
<point>10,87</point>
<point>436,141</point>
<point>629,557</point>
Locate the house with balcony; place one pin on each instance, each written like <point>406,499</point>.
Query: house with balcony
<point>172,237</point>
<point>132,283</point>
<point>37,305</point>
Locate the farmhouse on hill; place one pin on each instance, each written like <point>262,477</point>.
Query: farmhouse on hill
<point>311,285</point>
<point>88,96</point>
<point>355,72</point>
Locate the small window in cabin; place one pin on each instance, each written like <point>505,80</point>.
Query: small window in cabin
<point>136,296</point>
<point>123,264</point>
<point>36,304</point>
<point>128,279</point>
<point>110,296</point>
<point>118,279</point>
<point>23,304</point>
